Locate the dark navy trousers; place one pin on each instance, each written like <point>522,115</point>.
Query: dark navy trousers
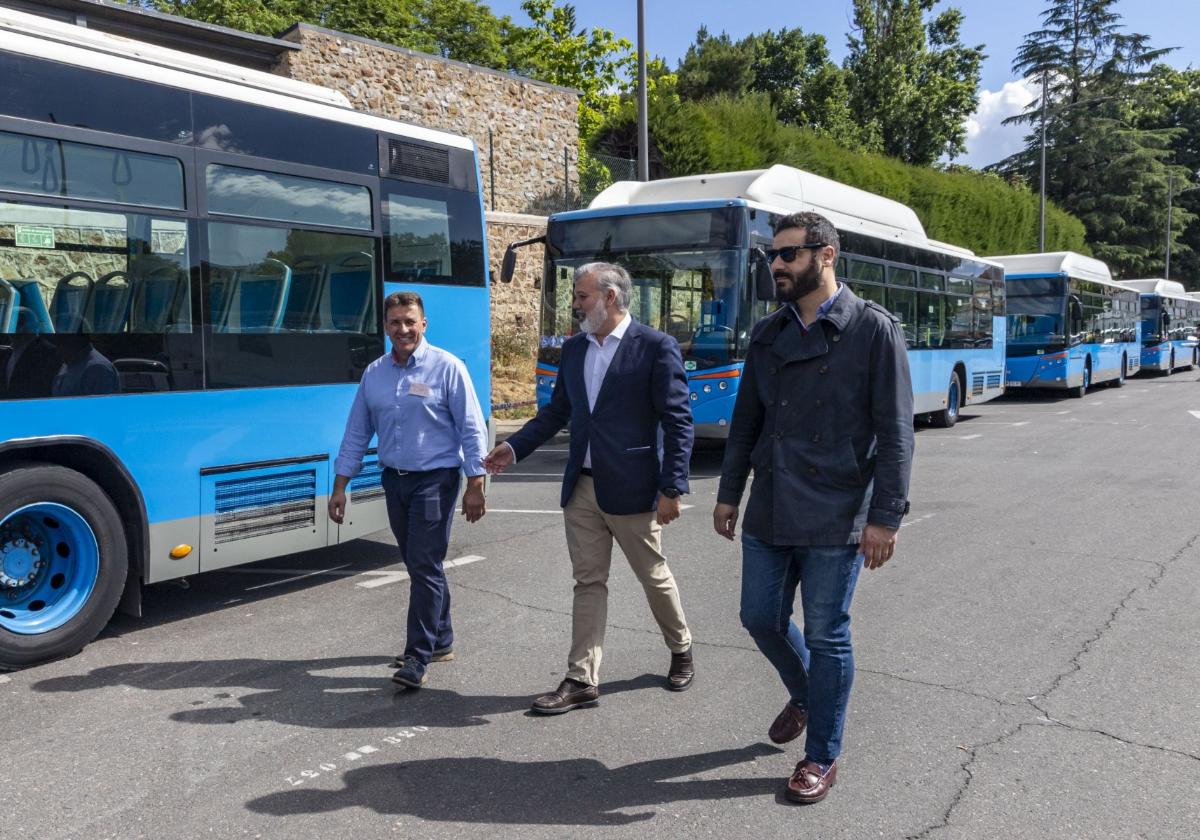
<point>420,507</point>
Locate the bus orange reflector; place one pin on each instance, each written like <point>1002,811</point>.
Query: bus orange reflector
<point>180,551</point>
<point>544,372</point>
<point>724,374</point>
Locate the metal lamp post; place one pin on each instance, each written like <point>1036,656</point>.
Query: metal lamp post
<point>643,124</point>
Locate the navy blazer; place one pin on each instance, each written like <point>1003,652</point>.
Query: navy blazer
<point>645,389</point>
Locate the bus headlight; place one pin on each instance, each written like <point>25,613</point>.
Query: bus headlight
<point>707,388</point>
<point>695,396</point>
<point>722,384</point>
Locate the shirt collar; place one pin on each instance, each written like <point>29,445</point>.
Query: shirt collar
<point>418,354</point>
<point>618,331</point>
<point>822,310</point>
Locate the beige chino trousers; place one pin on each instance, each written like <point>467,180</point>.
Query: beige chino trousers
<point>590,535</point>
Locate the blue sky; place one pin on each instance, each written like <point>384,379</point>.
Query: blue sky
<point>671,26</point>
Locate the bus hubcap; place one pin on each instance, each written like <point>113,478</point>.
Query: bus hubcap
<point>49,564</point>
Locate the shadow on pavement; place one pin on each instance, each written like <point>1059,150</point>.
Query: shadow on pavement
<point>311,692</point>
<point>575,791</point>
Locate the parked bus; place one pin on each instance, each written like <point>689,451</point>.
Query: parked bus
<point>695,249</point>
<point>193,259</point>
<point>1070,325</point>
<point>1170,324</point>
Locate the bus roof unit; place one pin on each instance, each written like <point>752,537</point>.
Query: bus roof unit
<point>1060,262</point>
<point>1156,285</point>
<point>783,189</point>
<point>77,45</point>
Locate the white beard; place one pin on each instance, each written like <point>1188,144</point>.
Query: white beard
<point>594,318</point>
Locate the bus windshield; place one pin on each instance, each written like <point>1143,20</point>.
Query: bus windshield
<point>692,295</point>
<point>1036,314</point>
<point>1152,312</point>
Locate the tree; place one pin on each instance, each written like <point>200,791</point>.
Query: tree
<point>912,85</point>
<point>716,65</point>
<point>1101,165</point>
<point>394,21</point>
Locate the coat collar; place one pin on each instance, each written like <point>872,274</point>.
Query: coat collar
<point>791,343</point>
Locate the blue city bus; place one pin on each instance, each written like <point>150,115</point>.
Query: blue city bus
<point>1170,324</point>
<point>1070,325</point>
<point>193,260</point>
<point>695,247</point>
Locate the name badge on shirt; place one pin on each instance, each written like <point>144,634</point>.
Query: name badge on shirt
<point>420,389</point>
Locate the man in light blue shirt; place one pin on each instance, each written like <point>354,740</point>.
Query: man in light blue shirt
<point>421,404</point>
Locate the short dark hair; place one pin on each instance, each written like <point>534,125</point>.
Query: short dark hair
<point>403,299</point>
<point>816,228</point>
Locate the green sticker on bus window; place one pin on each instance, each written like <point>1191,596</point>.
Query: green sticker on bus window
<point>34,236</point>
<point>565,273</point>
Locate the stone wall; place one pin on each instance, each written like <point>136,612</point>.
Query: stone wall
<point>531,123</point>
<point>515,304</point>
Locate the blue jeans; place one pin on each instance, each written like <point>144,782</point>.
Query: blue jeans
<point>816,666</point>
<point>420,507</point>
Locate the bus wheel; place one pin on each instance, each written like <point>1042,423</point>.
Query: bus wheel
<point>1120,381</point>
<point>948,416</point>
<point>1081,391</point>
<point>1171,364</point>
<point>63,561</point>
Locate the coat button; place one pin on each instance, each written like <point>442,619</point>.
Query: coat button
<point>777,436</point>
<point>812,470</point>
<point>783,402</point>
<point>816,438</point>
<point>818,403</point>
<point>837,337</point>
<point>823,369</point>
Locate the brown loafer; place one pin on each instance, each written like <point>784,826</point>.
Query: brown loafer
<point>808,784</point>
<point>788,725</point>
<point>682,671</point>
<point>569,695</point>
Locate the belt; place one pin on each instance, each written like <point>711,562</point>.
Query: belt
<point>586,471</point>
<point>395,471</point>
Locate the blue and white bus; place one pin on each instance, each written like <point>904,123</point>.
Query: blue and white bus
<point>193,258</point>
<point>695,249</point>
<point>1170,324</point>
<point>1070,325</point>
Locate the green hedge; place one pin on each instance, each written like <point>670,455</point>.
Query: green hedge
<point>969,209</point>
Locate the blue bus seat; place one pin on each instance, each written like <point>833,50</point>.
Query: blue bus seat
<point>155,299</point>
<point>72,295</point>
<point>350,282</point>
<point>108,309</point>
<point>303,306</point>
<point>261,293</point>
<point>29,296</point>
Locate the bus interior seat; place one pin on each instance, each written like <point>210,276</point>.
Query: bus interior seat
<point>108,309</point>
<point>8,308</point>
<point>29,296</point>
<point>142,376</point>
<point>155,299</point>
<point>303,307</point>
<point>350,292</point>
<point>260,295</point>
<point>69,305</point>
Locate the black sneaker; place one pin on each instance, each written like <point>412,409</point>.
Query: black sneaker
<point>443,655</point>
<point>412,675</point>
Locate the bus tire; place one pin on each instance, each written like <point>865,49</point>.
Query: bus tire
<point>1080,391</point>
<point>1120,380</point>
<point>63,562</point>
<point>948,416</point>
<point>1170,364</point>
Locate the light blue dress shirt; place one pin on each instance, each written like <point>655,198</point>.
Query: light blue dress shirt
<point>425,414</point>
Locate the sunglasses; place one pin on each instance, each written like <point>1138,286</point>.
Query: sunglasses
<point>789,253</point>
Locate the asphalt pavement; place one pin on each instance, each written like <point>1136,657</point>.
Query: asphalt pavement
<point>1027,668</point>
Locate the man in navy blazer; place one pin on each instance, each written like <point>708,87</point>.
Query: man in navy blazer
<point>622,390</point>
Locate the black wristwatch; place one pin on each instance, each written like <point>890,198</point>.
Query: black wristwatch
<point>670,492</point>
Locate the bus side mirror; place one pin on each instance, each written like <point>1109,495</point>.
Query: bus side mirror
<point>509,264</point>
<point>760,270</point>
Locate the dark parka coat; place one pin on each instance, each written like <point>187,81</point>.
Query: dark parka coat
<point>825,419</point>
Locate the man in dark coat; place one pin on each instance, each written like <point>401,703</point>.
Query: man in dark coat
<point>824,417</point>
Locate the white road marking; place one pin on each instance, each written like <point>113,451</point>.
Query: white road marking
<point>1068,411</point>
<point>334,572</point>
<point>295,578</point>
<point>969,437</point>
<point>1023,423</point>
<point>4,679</point>
<point>1195,414</point>
<point>383,578</point>
<point>915,521</point>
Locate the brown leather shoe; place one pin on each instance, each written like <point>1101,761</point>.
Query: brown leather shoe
<point>808,784</point>
<point>788,725</point>
<point>682,671</point>
<point>569,695</point>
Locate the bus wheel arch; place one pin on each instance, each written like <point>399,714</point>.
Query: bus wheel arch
<point>100,464</point>
<point>1080,391</point>
<point>63,562</point>
<point>948,416</point>
<point>1120,380</point>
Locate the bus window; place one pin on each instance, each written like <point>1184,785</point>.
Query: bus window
<point>865,272</point>
<point>433,235</point>
<point>932,281</point>
<point>252,194</point>
<point>983,313</point>
<point>931,320</point>
<point>903,304</point>
<point>960,322</point>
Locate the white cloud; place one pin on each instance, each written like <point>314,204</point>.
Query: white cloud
<point>988,141</point>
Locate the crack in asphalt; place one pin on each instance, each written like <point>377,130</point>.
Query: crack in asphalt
<point>1073,667</point>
